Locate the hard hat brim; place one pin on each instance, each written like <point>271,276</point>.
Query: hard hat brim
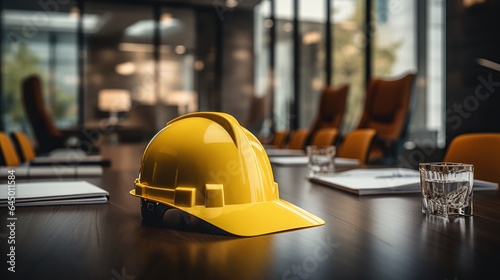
<point>251,219</point>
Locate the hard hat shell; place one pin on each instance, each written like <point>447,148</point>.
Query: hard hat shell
<point>208,165</point>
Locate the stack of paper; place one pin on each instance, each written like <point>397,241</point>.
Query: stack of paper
<point>70,157</point>
<point>54,193</point>
<point>383,181</point>
<point>52,171</point>
<point>302,161</point>
<point>284,152</point>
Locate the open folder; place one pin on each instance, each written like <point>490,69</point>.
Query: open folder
<point>53,193</point>
<point>383,181</point>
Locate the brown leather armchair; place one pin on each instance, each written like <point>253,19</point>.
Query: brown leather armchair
<point>387,110</point>
<point>48,136</point>
<point>331,110</point>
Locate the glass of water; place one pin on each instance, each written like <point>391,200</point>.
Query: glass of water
<point>446,188</point>
<point>321,160</point>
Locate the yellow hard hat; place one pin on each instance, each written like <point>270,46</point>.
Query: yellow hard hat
<point>208,165</point>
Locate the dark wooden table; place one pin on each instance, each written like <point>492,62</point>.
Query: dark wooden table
<point>369,237</point>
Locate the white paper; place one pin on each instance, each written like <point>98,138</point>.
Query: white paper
<point>284,152</point>
<point>64,153</point>
<point>54,193</point>
<point>384,181</point>
<point>68,158</point>
<point>304,160</point>
<point>52,171</point>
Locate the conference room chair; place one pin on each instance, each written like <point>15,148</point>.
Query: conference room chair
<point>331,110</point>
<point>298,139</point>
<point>356,144</point>
<point>25,149</point>
<point>279,139</point>
<point>8,155</point>
<point>48,136</point>
<point>387,110</point>
<point>480,149</point>
<point>325,137</point>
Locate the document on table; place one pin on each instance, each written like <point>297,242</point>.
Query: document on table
<point>70,157</point>
<point>303,160</point>
<point>53,193</point>
<point>284,152</point>
<point>52,171</point>
<point>383,181</point>
<point>70,160</point>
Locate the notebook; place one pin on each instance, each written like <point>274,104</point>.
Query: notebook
<point>383,181</point>
<point>53,193</point>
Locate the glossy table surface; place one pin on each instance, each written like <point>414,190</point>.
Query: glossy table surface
<point>367,237</point>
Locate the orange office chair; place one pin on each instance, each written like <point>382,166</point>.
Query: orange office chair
<point>325,137</point>
<point>387,110</point>
<point>23,145</point>
<point>9,156</point>
<point>331,110</point>
<point>48,136</point>
<point>480,149</point>
<point>279,139</point>
<point>357,144</point>
<point>298,139</point>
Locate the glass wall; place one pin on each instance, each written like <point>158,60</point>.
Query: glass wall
<point>435,70</point>
<point>120,56</point>
<point>393,41</point>
<point>283,90</point>
<point>348,59</point>
<point>312,18</point>
<point>39,40</point>
<point>177,60</point>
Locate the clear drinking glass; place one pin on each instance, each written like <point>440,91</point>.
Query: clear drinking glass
<point>447,188</point>
<point>321,160</point>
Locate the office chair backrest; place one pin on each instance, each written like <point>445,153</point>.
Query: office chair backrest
<point>331,109</point>
<point>47,134</point>
<point>357,144</point>
<point>298,139</point>
<point>325,137</point>
<point>8,152</point>
<point>279,138</point>
<point>387,106</point>
<point>23,145</point>
<point>480,149</point>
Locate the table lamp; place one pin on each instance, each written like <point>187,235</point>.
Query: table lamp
<point>114,101</point>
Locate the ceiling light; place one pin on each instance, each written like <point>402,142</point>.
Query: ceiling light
<point>126,68</point>
<point>198,65</point>
<point>268,23</point>
<point>231,3</point>
<point>180,49</point>
<point>287,27</point>
<point>312,37</point>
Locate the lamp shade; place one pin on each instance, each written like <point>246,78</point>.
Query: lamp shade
<point>114,100</point>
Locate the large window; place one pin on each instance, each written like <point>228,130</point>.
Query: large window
<point>393,44</point>
<point>349,45</point>
<point>388,37</point>
<point>283,90</point>
<point>312,17</point>
<point>435,73</point>
<point>38,42</point>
